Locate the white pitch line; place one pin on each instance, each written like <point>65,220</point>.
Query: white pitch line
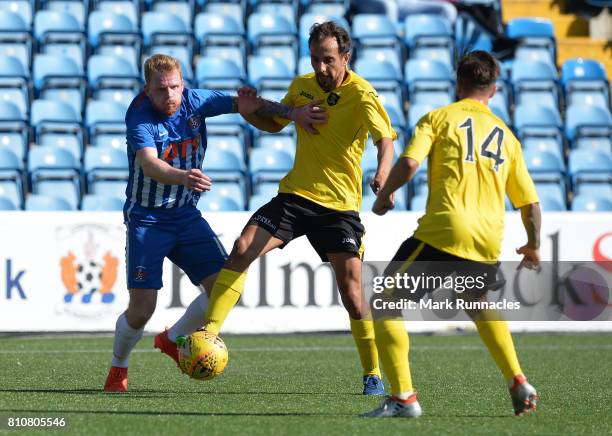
<point>310,349</point>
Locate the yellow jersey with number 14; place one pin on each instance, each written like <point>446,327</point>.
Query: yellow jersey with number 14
<point>473,160</point>
<point>327,166</point>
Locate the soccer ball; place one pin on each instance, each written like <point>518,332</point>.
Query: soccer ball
<point>202,355</point>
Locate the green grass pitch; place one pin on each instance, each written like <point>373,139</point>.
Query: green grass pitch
<point>307,384</point>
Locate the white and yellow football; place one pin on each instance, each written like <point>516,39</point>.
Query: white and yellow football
<point>202,355</point>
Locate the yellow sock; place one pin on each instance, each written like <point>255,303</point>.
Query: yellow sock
<point>497,338</point>
<point>393,345</point>
<point>363,334</point>
<point>225,294</point>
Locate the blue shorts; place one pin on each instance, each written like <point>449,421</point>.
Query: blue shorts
<point>182,235</point>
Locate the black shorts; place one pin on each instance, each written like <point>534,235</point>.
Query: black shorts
<point>416,258</point>
<point>289,216</point>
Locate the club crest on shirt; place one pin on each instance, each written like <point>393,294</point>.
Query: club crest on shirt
<point>332,99</point>
<point>194,122</point>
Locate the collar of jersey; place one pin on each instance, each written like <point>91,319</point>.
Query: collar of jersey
<point>477,103</point>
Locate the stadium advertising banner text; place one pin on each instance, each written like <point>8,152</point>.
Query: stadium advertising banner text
<point>66,272</point>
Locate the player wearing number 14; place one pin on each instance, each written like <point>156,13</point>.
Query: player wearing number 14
<point>473,159</point>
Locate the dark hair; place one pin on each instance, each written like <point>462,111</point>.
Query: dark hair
<point>329,29</point>
<point>477,71</point>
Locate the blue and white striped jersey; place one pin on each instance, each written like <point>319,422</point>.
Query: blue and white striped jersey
<point>180,140</point>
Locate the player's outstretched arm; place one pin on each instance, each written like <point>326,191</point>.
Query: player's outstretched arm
<point>401,173</point>
<point>161,172</point>
<point>385,159</point>
<point>531,216</point>
<point>260,112</point>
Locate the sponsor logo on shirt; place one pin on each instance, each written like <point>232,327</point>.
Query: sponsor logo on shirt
<point>307,95</point>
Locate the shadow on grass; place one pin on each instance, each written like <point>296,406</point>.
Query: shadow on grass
<point>162,392</point>
<point>166,413</point>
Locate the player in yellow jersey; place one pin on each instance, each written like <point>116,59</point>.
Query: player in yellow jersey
<point>473,160</point>
<point>321,196</point>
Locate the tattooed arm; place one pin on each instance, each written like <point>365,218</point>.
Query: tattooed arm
<point>260,112</point>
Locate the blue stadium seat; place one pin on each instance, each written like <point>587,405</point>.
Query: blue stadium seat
<point>380,54</point>
<point>429,36</point>
<point>539,127</point>
<point>270,29</point>
<point>224,166</point>
<point>418,203</point>
<point>537,39</point>
<point>268,73</point>
<point>269,165</point>
<point>11,176</point>
<point>112,78</point>
<point>167,33</point>
<point>228,124</point>
<point>383,76</point>
<point>45,203</point>
<point>182,9</point>
<point>415,113</point>
<point>258,200</point>
<point>585,83</point>
<point>60,33</point>
<point>590,166</point>
<point>7,204</point>
<point>12,191</point>
<point>429,82</point>
<point>216,73</point>
<point>213,202</point>
<point>230,8</point>
<point>13,129</point>
<point>272,35</point>
<point>545,168</point>
<point>587,203</point>
<point>234,191</point>
<point>594,189</point>
<point>535,82</point>
<point>108,188</point>
<point>15,37</point>
<point>333,8</point>
<point>216,29</point>
<point>66,141</point>
<point>230,143</point>
<point>59,78</point>
<point>111,33</point>
<point>374,30</point>
<point>23,8</point>
<point>307,20</point>
<point>55,171</point>
<point>233,53</point>
<point>48,116</point>
<point>286,8</point>
<point>78,9</point>
<point>588,127</point>
<point>105,123</point>
<point>276,141</point>
<point>102,203</point>
<point>129,8</point>
<point>552,196</point>
<point>14,83</point>
<point>105,163</point>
